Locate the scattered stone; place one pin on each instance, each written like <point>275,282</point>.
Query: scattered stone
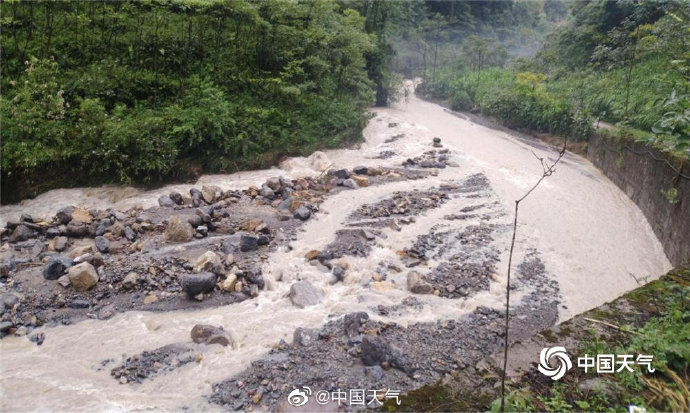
<point>37,338</point>
<point>194,284</point>
<point>352,322</point>
<point>150,299</point>
<point>350,183</point>
<point>202,230</point>
<point>130,234</point>
<point>80,303</point>
<point>64,281</point>
<point>417,284</point>
<point>130,281</point>
<point>178,229</point>
<point>211,193</point>
<point>208,334</point>
<point>339,272</point>
<point>166,202</point>
<point>64,215</point>
<point>58,244</point>
<point>341,174</point>
<point>56,266</point>
<point>302,213</point>
<point>248,243</point>
<point>209,262</point>
<point>229,283</point>
<point>311,255</point>
<point>102,244</point>
<point>360,170</point>
<point>267,192</point>
<point>176,197</point>
<point>303,294</point>
<point>21,233</point>
<point>83,276</point>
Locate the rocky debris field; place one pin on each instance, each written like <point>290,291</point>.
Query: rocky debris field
<point>198,249</point>
<point>355,351</point>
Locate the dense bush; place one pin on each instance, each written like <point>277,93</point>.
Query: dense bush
<point>136,92</point>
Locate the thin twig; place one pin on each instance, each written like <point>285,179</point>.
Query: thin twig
<point>547,171</point>
<point>592,320</point>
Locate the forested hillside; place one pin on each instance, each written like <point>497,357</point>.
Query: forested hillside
<point>141,91</point>
<point>622,62</point>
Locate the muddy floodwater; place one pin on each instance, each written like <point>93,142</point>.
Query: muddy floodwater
<point>580,243</point>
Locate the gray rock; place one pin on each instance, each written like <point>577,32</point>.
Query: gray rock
<point>202,230</point>
<point>302,213</point>
<point>165,201</point>
<point>285,204</point>
<point>350,183</point>
<point>56,266</point>
<point>64,215</point>
<point>102,244</point>
<point>209,262</point>
<point>9,300</point>
<point>376,350</point>
<point>80,303</point>
<point>417,284</point>
<point>21,233</point>
<point>305,336</point>
<point>375,373</point>
<point>106,312</point>
<point>176,197</point>
<point>194,284</point>
<point>196,220</point>
<point>303,294</point>
<point>341,174</point>
<point>248,243</point>
<point>360,170</point>
<point>273,183</point>
<point>208,334</point>
<point>130,234</point>
<point>5,325</point>
<point>211,193</point>
<point>353,321</point>
<point>60,244</point>
<point>267,192</point>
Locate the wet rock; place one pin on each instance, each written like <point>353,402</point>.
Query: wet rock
<point>436,143</point>
<point>360,180</point>
<point>341,174</point>
<point>130,281</point>
<point>178,229</point>
<point>303,294</point>
<point>311,255</point>
<point>165,201</point>
<point>209,262</point>
<point>58,244</point>
<point>359,170</point>
<point>64,215</point>
<point>56,266</point>
<point>202,230</point>
<point>248,243</point>
<point>106,312</point>
<point>211,193</point>
<point>102,244</point>
<point>5,325</point>
<point>9,300</point>
<point>368,235</point>
<point>285,204</point>
<point>267,192</point>
<point>417,284</point>
<point>338,272</point>
<point>76,229</point>
<point>273,183</point>
<point>88,257</point>
<point>130,234</point>
<point>80,303</point>
<point>21,233</point>
<point>176,197</point>
<point>305,336</point>
<point>83,276</point>
<point>352,322</point>
<point>350,183</point>
<point>208,334</point>
<point>263,240</point>
<point>377,351</point>
<point>302,213</point>
<point>37,338</point>
<point>194,284</point>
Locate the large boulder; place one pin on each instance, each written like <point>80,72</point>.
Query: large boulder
<point>166,202</point>
<point>83,276</point>
<point>305,336</point>
<point>211,193</point>
<point>208,334</point>
<point>21,233</point>
<point>64,215</point>
<point>303,294</point>
<point>377,350</point>
<point>353,321</point>
<point>56,266</point>
<point>179,229</point>
<point>194,284</point>
<point>209,262</point>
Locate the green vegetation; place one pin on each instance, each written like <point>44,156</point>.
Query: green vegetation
<point>616,61</point>
<point>141,91</point>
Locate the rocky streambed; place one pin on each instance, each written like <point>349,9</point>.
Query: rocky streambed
<point>380,268</point>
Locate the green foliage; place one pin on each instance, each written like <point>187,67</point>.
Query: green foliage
<point>134,91</point>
